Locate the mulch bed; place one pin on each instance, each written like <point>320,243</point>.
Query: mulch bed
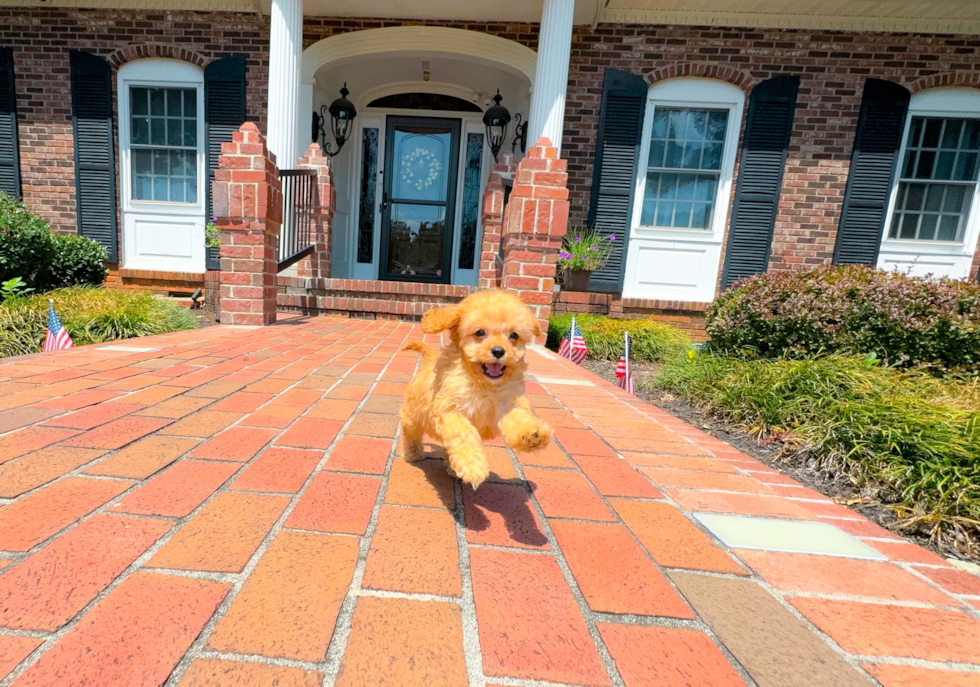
<point>837,487</point>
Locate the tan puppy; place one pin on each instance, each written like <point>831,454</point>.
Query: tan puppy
<point>474,388</point>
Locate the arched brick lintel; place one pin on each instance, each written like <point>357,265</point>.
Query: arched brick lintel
<point>707,70</point>
<point>140,51</point>
<point>969,79</point>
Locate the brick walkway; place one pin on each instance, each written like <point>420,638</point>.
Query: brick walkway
<point>227,509</point>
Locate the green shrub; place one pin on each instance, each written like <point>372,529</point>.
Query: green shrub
<point>90,315</point>
<point>44,260</point>
<point>78,261</point>
<point>914,433</point>
<point>652,341</point>
<point>855,310</point>
<point>27,245</point>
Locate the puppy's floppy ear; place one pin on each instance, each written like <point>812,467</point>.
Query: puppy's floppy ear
<point>440,319</point>
<point>535,326</point>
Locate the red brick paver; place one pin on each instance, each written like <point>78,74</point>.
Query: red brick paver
<point>226,510</point>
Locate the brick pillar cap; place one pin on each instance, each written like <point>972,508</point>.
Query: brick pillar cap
<point>250,126</point>
<point>543,142</point>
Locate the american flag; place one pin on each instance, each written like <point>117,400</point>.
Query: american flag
<point>624,370</point>
<point>57,338</point>
<point>573,345</point>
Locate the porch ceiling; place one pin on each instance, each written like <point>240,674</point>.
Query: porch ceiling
<point>920,16</point>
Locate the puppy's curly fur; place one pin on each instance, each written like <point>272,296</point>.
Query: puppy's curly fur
<point>474,388</point>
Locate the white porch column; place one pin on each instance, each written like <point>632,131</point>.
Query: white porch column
<point>285,54</point>
<point>547,115</point>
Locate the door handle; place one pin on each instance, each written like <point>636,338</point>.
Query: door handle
<point>384,202</point>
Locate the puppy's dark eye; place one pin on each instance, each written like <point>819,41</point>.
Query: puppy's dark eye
<point>513,336</point>
<point>480,333</point>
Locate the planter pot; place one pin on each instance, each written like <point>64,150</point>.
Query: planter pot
<point>576,280</point>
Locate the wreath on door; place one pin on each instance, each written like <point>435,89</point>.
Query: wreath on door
<point>429,168</point>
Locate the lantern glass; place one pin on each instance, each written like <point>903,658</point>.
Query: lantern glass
<point>496,119</point>
<point>342,113</point>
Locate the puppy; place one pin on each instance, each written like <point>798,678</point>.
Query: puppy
<point>474,388</point>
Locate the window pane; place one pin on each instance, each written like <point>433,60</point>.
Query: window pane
<point>927,228</point>
<point>156,102</point>
<point>930,139</point>
<point>158,131</point>
<point>657,150</point>
<point>966,167</point>
<point>174,100</point>
<point>190,103</point>
<point>471,201</point>
<point>140,130</point>
<point>369,185</point>
<point>944,166</point>
<point>927,159</point>
<point>138,98</point>
<point>190,133</point>
<point>949,228</point>
<point>175,132</point>
<point>951,134</point>
<point>915,197</point>
<point>971,138</point>
<point>675,154</point>
<point>934,198</point>
<point>682,215</point>
<point>699,219</point>
<point>690,139</point>
<point>910,223</point>
<point>163,131</point>
<point>712,156</point>
<point>160,188</point>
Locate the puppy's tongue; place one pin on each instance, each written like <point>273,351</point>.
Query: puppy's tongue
<point>494,369</point>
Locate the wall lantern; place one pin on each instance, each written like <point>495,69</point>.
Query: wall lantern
<point>496,119</point>
<point>342,113</point>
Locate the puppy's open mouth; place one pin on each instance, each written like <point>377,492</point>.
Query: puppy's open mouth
<point>494,370</point>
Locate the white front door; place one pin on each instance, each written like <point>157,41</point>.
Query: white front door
<point>162,165</point>
<point>680,202</point>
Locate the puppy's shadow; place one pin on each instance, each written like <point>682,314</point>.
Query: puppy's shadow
<point>510,499</point>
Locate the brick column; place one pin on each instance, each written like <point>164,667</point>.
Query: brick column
<point>492,220</point>
<point>317,264</point>
<point>247,200</point>
<point>534,226</point>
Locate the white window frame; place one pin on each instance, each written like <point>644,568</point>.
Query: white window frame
<point>698,93</point>
<point>939,258</point>
<point>188,217</point>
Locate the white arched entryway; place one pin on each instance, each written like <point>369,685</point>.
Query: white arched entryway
<point>464,68</point>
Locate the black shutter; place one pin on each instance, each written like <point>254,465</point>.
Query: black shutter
<point>873,163</point>
<point>617,154</point>
<point>224,113</point>
<point>9,156</point>
<point>95,164</point>
<point>760,177</point>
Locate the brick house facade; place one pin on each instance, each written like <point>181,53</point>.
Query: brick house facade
<point>833,67</point>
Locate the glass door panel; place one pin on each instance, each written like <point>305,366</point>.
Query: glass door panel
<point>419,198</point>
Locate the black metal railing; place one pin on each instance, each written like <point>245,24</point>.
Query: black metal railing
<point>299,191</point>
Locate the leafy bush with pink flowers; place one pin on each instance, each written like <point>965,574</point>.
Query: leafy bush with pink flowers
<point>905,321</point>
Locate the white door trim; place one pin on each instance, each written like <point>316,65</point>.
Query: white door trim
<point>682,264</point>
<point>158,235</point>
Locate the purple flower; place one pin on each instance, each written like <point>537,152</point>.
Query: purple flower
<point>578,239</point>
<point>592,247</point>
<point>612,237</point>
<point>214,219</point>
<point>566,256</point>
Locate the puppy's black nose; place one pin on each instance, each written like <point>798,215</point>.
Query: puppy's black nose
<point>498,352</point>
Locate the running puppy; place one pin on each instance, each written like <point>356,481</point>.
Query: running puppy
<point>474,388</point>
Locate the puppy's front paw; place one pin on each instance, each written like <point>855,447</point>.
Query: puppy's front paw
<point>473,473</point>
<point>532,438</point>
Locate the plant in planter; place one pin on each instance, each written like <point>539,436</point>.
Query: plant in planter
<point>583,252</point>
